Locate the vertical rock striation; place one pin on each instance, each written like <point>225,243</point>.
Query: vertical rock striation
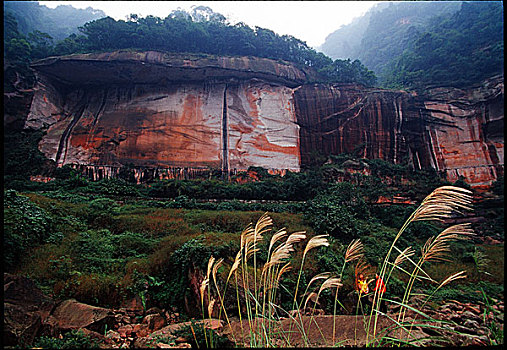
<point>464,131</point>
<point>458,132</point>
<point>350,119</point>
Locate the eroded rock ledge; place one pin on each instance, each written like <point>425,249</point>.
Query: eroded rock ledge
<point>152,67</point>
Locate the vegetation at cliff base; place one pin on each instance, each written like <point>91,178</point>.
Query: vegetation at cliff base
<point>95,241</point>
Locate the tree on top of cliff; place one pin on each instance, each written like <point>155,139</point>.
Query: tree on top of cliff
<point>198,31</point>
<point>204,31</point>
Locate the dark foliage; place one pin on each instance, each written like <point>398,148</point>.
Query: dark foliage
<point>75,339</point>
<point>58,23</point>
<point>25,226</point>
<point>459,50</point>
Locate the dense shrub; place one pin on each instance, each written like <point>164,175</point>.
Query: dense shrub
<point>26,225</point>
<point>113,187</point>
<point>75,339</point>
<point>100,251</point>
<point>101,211</point>
<point>192,254</point>
<point>337,211</point>
<point>293,187</point>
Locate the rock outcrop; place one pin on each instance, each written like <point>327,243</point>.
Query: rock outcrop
<point>71,314</point>
<point>26,308</point>
<point>181,116</point>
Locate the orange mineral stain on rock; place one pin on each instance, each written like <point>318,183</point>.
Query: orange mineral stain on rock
<point>262,143</point>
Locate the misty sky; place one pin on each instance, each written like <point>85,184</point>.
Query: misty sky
<point>310,21</point>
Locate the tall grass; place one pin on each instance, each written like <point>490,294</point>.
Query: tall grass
<point>260,285</point>
<point>443,203</point>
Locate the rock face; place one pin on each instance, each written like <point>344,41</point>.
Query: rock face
<point>71,314</point>
<point>26,308</point>
<point>204,117</point>
<point>464,131</point>
<point>174,116</point>
<point>351,119</point>
<point>458,132</point>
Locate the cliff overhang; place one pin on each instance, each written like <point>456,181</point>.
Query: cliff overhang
<point>153,67</point>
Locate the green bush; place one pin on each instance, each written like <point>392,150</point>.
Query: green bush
<point>67,196</point>
<point>100,251</point>
<point>331,258</point>
<point>26,226</point>
<point>101,212</point>
<point>130,245</point>
<point>75,339</point>
<point>93,251</point>
<point>192,254</point>
<point>337,211</point>
<point>114,187</point>
<point>198,340</point>
<point>392,215</point>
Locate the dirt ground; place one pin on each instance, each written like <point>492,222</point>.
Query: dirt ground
<point>317,331</point>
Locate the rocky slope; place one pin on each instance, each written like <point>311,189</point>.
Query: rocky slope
<point>175,116</point>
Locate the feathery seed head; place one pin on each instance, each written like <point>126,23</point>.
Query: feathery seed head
<point>454,277</point>
<point>210,264</point>
<point>235,264</point>
<point>437,247</point>
<point>311,296</point>
<point>202,289</point>
<point>404,255</point>
<point>443,203</point>
<point>276,237</point>
<point>210,306</point>
<point>281,253</point>
<point>284,269</point>
<point>318,277</point>
<point>296,237</point>
<point>331,282</point>
<point>354,251</point>
<point>314,242</point>
<point>215,269</point>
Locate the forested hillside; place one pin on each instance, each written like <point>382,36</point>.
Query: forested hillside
<point>59,22</point>
<point>460,50</point>
<point>416,44</point>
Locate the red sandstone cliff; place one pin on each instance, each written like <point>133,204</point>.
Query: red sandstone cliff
<point>459,132</point>
<point>175,115</point>
<point>464,131</point>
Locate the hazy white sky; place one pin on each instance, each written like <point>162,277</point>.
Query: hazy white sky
<point>310,21</point>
